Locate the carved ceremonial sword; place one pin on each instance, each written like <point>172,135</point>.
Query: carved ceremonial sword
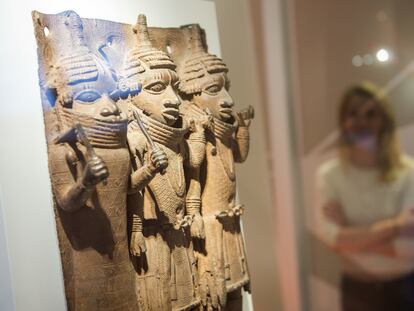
<point>146,134</point>
<point>89,149</point>
<point>144,130</point>
<point>85,141</point>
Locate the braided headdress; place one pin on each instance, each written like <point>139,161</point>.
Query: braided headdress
<point>198,66</point>
<point>144,55</point>
<point>76,63</point>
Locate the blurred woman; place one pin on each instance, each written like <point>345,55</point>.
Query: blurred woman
<point>368,201</point>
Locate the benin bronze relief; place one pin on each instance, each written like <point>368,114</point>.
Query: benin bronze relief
<point>221,258</point>
<point>89,165</point>
<point>160,238</point>
<point>142,140</point>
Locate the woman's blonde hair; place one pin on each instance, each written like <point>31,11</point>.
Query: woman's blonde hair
<point>390,159</point>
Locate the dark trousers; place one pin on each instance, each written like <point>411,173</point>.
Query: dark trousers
<point>393,295</point>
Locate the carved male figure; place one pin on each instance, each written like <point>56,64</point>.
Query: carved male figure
<point>89,166</point>
<point>160,238</point>
<point>222,263</point>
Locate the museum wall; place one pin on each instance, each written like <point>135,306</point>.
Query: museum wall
<point>322,44</point>
<point>238,45</point>
<point>322,27</point>
<point>6,292</point>
<point>271,58</point>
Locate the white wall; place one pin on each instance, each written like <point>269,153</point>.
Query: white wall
<point>28,239</point>
<point>6,293</point>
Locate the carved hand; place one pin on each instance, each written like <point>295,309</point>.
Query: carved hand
<point>245,116</point>
<point>202,122</point>
<point>197,227</point>
<point>158,160</point>
<point>137,246</point>
<point>95,171</point>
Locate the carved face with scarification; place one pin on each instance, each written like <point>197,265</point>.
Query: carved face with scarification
<point>89,85</point>
<point>83,83</point>
<point>204,78</point>
<point>214,96</point>
<point>155,72</point>
<point>158,97</point>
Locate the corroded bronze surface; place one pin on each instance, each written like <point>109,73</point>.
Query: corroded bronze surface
<point>142,141</point>
<point>221,256</point>
<point>89,166</point>
<point>166,273</point>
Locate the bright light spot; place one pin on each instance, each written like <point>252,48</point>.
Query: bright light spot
<point>357,61</point>
<point>368,59</point>
<point>383,55</point>
<point>46,31</point>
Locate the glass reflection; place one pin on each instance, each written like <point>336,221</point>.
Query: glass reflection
<point>368,205</point>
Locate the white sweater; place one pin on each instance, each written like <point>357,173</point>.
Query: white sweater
<point>365,199</point>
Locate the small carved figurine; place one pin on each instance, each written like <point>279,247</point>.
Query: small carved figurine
<point>222,266</point>
<point>89,166</point>
<point>160,242</point>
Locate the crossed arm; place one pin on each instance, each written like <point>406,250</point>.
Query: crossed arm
<point>374,238</point>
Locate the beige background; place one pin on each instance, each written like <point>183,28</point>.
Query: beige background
<point>292,59</point>
<point>253,45</point>
<point>324,36</point>
<point>253,177</point>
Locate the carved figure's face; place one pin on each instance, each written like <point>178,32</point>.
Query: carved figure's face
<point>90,90</point>
<point>158,98</point>
<point>96,105</point>
<point>215,97</point>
